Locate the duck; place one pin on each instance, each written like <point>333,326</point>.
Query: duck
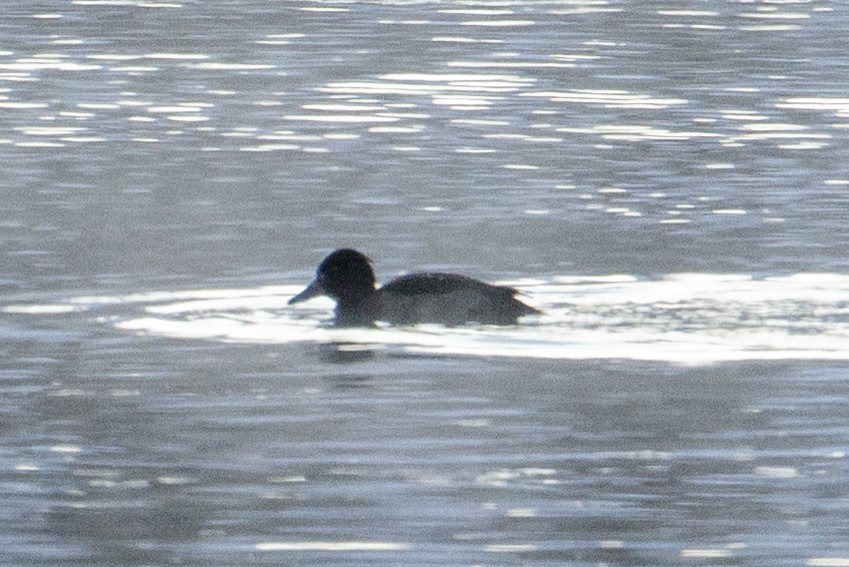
<point>347,277</point>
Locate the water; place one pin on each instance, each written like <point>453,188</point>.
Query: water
<point>667,181</point>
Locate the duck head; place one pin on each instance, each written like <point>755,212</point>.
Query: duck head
<point>344,275</point>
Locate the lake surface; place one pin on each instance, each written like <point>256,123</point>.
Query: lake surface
<point>667,181</point>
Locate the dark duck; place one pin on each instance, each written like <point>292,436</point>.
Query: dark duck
<point>346,276</point>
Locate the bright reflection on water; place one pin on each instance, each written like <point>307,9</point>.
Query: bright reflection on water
<point>686,318</point>
<point>172,171</point>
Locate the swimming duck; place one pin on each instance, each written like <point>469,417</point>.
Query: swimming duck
<point>346,276</point>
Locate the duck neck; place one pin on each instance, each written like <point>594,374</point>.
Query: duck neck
<point>356,310</point>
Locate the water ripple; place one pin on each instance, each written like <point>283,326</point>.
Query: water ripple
<point>681,318</point>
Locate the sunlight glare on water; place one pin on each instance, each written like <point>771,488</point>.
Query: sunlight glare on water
<point>665,180</point>
<point>682,318</point>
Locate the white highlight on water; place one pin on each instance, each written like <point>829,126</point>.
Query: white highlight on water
<point>678,318</point>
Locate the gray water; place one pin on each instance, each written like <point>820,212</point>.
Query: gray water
<point>667,181</point>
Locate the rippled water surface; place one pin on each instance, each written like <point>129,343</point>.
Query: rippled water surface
<point>666,181</point>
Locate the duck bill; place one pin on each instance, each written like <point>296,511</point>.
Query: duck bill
<point>313,290</point>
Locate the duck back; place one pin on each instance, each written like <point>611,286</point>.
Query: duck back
<point>449,299</point>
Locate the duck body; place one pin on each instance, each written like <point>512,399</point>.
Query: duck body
<point>429,297</point>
